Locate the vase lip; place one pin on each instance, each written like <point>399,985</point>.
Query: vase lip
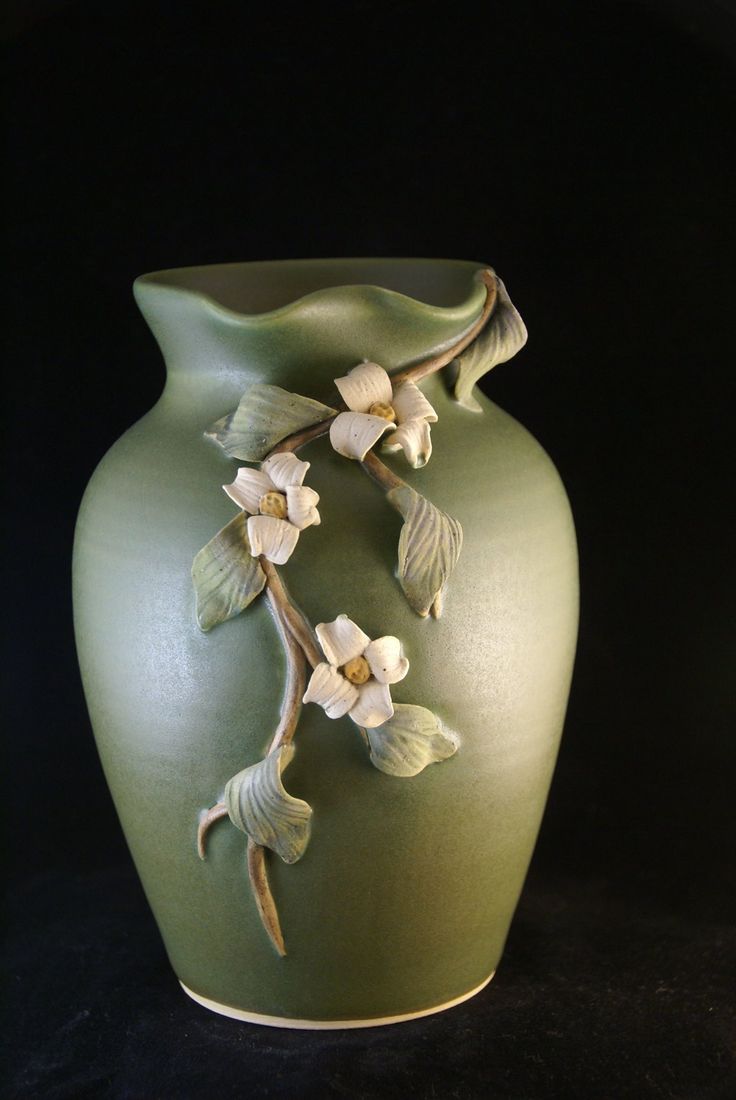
<point>456,283</point>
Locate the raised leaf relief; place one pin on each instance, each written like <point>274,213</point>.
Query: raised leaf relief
<point>429,546</point>
<point>503,336</point>
<point>265,416</point>
<point>413,738</point>
<point>226,577</point>
<point>260,806</point>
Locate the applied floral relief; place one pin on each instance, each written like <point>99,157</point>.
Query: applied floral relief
<point>351,674</point>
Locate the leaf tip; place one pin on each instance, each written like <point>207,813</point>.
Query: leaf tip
<point>204,624</point>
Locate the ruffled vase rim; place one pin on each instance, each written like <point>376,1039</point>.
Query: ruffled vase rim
<point>182,282</point>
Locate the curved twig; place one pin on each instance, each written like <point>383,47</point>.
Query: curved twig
<point>290,708</point>
<point>437,362</point>
<point>306,435</point>
<point>295,652</point>
<point>206,822</point>
<point>262,893</point>
<point>291,616</point>
<point>380,472</point>
<point>296,680</point>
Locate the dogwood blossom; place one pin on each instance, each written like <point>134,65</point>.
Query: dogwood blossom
<point>375,406</point>
<point>355,678</point>
<point>279,506</point>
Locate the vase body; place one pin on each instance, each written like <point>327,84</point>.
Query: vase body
<point>403,899</point>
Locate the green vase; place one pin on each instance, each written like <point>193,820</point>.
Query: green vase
<point>401,903</point>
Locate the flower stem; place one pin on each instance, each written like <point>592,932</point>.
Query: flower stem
<point>437,362</point>
<point>291,706</point>
<point>380,472</point>
<point>295,673</point>
<point>290,615</point>
<point>262,893</point>
<point>306,435</point>
<point>296,638</point>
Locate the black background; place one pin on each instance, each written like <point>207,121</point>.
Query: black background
<point>586,151</point>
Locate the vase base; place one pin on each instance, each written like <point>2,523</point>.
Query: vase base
<point>327,1025</point>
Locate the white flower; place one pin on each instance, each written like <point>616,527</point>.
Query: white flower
<point>355,678</point>
<point>375,406</point>
<point>279,506</point>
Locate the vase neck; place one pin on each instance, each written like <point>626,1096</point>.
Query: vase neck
<point>213,352</point>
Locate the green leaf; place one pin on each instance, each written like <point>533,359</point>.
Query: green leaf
<point>226,576</point>
<point>258,804</point>
<point>503,336</point>
<point>429,546</point>
<point>413,738</point>
<point>266,415</point>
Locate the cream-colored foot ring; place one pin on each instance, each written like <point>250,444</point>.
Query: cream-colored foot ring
<point>327,1025</point>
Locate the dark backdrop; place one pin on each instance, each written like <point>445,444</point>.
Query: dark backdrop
<point>586,151</point>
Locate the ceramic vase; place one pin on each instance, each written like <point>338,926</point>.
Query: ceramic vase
<point>406,564</point>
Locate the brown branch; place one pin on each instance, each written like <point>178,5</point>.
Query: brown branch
<point>293,692</point>
<point>290,615</point>
<point>256,873</point>
<point>214,814</point>
<point>262,893</point>
<point>290,710</point>
<point>296,679</point>
<point>380,472</point>
<point>306,435</point>
<point>437,362</point>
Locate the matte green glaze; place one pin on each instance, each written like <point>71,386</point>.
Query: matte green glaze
<point>405,894</point>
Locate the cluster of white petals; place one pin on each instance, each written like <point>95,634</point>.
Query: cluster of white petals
<point>368,704</point>
<point>368,387</point>
<point>279,481</point>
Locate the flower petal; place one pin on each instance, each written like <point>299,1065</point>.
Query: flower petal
<point>248,488</point>
<point>285,469</point>
<point>363,386</point>
<point>329,688</point>
<point>274,538</point>
<point>414,437</point>
<point>411,404</point>
<point>353,434</point>
<point>341,640</point>
<point>301,506</point>
<point>374,707</point>
<point>384,657</point>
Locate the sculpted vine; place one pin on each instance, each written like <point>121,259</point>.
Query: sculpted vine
<point>350,674</point>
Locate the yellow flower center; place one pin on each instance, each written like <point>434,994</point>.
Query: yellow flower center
<point>357,671</point>
<point>273,504</point>
<point>379,408</point>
